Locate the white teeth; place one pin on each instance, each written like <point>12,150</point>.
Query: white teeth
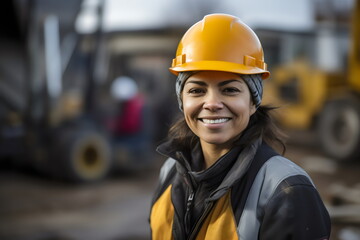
<point>213,121</point>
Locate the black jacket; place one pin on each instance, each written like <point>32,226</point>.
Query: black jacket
<point>264,196</point>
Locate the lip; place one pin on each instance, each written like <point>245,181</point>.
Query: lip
<point>214,122</point>
<point>213,117</point>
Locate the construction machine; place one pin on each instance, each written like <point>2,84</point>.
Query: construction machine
<point>48,95</point>
<point>317,84</point>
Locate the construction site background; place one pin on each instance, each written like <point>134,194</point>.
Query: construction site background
<point>86,96</point>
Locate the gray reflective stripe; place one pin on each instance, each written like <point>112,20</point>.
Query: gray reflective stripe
<point>271,174</point>
<point>165,169</point>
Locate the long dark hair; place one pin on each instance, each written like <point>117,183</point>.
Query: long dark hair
<point>261,125</point>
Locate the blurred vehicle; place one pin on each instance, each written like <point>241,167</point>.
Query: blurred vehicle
<point>47,115</point>
<point>54,91</point>
<point>317,85</point>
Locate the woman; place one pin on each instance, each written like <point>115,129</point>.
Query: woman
<point>222,179</point>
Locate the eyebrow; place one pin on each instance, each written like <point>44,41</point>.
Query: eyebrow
<point>230,81</point>
<point>223,83</point>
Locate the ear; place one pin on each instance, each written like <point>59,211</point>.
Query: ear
<point>253,109</point>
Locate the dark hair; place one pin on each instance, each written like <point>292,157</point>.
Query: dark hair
<point>261,125</point>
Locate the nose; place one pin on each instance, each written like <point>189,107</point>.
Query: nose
<point>213,102</point>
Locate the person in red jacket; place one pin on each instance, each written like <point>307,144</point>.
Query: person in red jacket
<point>223,179</point>
<point>129,120</point>
<point>131,126</point>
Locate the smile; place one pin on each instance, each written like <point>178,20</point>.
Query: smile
<point>214,121</point>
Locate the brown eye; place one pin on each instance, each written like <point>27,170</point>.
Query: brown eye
<point>196,91</point>
<point>231,90</point>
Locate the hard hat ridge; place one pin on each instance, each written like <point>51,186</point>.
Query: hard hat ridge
<point>220,42</point>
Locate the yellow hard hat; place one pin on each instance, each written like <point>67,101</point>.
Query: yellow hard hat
<point>220,42</point>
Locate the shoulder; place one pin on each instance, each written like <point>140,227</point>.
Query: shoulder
<point>276,175</point>
<point>292,203</point>
<point>167,172</point>
<point>279,186</point>
<point>278,168</point>
<point>166,169</point>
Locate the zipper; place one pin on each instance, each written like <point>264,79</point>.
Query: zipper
<point>200,221</point>
<point>190,198</point>
<point>189,204</point>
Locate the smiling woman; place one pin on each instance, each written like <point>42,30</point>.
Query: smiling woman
<point>223,179</point>
<point>217,107</point>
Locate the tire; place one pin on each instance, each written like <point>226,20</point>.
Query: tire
<point>339,129</point>
<point>84,156</point>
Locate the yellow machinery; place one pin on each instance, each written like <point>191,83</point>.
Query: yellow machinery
<point>354,60</point>
<point>327,99</point>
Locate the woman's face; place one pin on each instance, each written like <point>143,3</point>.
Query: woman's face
<point>217,106</point>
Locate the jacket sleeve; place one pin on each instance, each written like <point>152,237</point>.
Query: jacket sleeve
<point>295,211</point>
<point>167,172</point>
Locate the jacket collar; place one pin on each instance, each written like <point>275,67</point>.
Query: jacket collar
<point>228,169</point>
<point>192,159</point>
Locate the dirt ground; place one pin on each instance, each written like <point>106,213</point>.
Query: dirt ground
<point>37,208</point>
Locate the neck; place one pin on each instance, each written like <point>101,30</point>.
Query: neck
<point>212,152</point>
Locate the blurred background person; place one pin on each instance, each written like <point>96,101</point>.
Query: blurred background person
<point>131,125</point>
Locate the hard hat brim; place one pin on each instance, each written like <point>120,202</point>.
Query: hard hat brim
<point>219,66</point>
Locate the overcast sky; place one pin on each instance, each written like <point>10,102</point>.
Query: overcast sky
<point>143,14</point>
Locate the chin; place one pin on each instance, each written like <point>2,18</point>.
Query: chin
<point>216,140</point>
